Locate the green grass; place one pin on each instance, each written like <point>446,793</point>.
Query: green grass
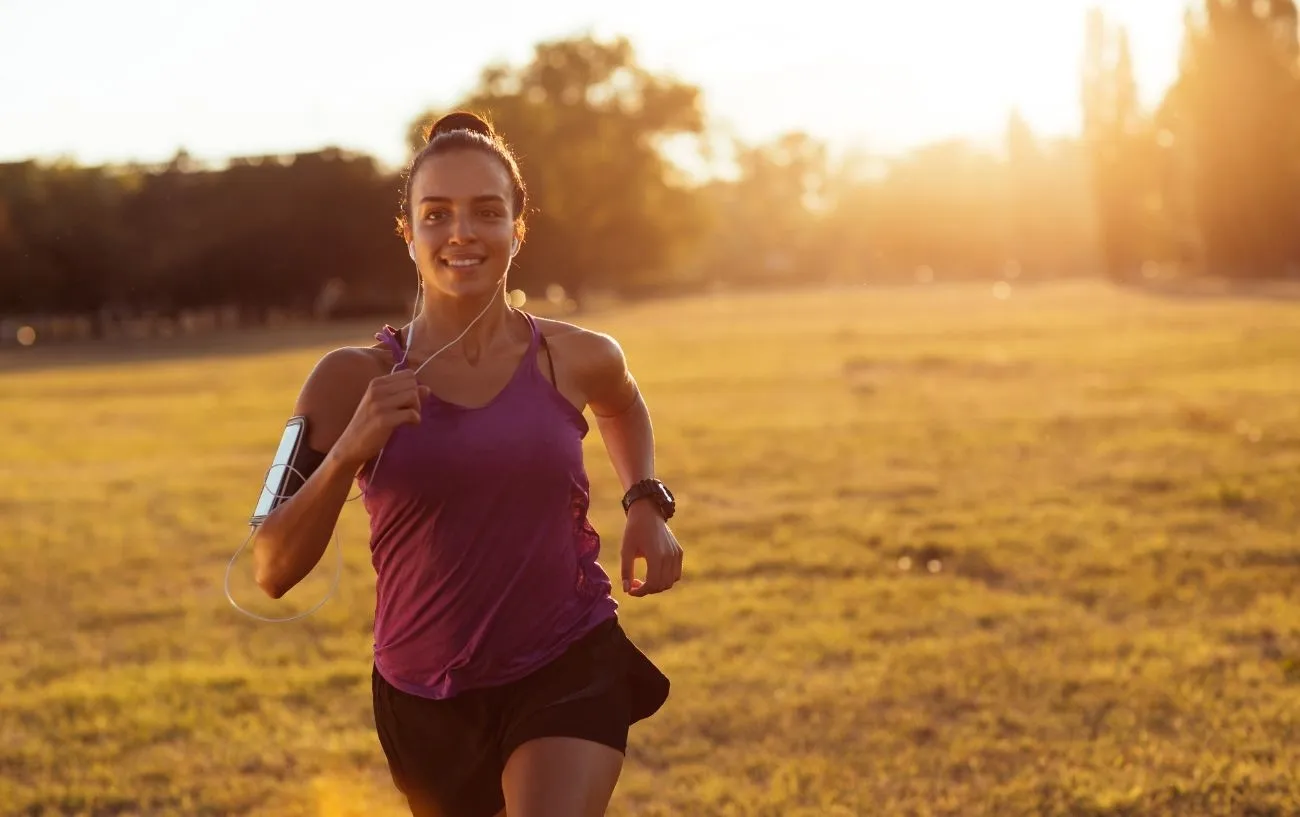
<point>946,555</point>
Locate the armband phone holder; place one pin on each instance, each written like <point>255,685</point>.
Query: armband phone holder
<point>283,479</point>
<point>281,476</point>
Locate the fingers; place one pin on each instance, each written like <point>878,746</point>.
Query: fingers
<point>672,561</point>
<point>389,383</point>
<point>663,573</point>
<point>398,396</point>
<point>406,416</point>
<point>629,561</point>
<point>663,570</point>
<point>399,386</point>
<point>642,589</point>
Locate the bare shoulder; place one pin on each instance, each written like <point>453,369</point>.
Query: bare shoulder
<point>597,364</point>
<point>334,388</point>
<point>587,351</point>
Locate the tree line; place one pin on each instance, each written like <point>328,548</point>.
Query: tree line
<point>1208,181</point>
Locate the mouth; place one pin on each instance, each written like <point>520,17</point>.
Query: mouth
<point>462,263</point>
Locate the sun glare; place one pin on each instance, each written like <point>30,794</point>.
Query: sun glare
<point>884,76</point>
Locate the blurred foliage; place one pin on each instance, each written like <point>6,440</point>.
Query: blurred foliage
<point>1207,182</point>
<point>1211,179</point>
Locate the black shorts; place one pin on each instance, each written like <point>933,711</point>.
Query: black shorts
<point>447,756</point>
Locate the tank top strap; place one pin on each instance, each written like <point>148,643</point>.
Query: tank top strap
<point>536,343</point>
<point>391,338</point>
<point>535,332</point>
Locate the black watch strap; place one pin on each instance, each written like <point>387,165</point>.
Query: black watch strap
<point>654,490</point>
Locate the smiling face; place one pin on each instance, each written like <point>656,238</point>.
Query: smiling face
<point>461,226</point>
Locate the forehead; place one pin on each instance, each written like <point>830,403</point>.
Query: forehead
<point>461,174</point>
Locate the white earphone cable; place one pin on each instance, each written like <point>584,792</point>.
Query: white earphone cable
<point>406,352</point>
<point>338,572</point>
<point>334,583</point>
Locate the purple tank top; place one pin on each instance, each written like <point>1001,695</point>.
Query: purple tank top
<point>485,562</point>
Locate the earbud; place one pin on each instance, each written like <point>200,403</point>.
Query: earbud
<point>410,248</point>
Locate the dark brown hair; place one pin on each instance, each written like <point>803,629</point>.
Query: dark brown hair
<point>462,130</point>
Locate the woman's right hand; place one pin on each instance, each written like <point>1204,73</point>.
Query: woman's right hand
<point>390,400</point>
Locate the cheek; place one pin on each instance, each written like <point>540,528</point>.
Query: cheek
<point>505,236</point>
<point>496,236</point>
<point>429,231</point>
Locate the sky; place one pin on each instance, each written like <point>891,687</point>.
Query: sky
<point>136,80</point>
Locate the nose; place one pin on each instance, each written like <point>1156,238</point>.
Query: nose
<point>462,227</point>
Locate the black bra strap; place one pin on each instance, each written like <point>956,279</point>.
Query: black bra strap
<point>546,347</point>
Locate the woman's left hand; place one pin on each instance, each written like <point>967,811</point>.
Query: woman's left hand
<point>647,536</point>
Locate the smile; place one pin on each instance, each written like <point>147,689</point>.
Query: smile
<point>462,263</point>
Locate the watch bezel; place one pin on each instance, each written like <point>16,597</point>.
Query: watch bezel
<point>654,489</point>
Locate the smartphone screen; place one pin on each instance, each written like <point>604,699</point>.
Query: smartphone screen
<point>277,476</point>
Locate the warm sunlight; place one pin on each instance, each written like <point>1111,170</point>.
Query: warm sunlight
<point>900,74</point>
<point>673,408</point>
<point>225,79</point>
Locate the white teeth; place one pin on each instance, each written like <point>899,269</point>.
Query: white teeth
<point>463,262</point>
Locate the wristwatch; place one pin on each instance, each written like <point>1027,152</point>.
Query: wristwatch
<point>655,490</point>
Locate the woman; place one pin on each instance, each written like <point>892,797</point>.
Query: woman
<point>502,681</point>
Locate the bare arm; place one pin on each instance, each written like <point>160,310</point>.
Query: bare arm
<point>350,414</point>
<point>292,539</point>
<point>621,414</point>
<point>624,423</point>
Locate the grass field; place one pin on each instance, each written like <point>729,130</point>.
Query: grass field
<point>946,554</point>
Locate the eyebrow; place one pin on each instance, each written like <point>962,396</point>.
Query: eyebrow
<point>477,199</point>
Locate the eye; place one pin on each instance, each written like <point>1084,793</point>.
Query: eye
<point>434,215</point>
<point>490,213</point>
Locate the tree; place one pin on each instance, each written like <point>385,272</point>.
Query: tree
<point>1234,116</point>
<point>770,218</point>
<point>1052,216</point>
<point>61,241</point>
<point>1121,146</point>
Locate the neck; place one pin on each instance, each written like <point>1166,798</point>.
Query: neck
<point>442,319</point>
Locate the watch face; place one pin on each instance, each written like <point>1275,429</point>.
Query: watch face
<point>653,489</point>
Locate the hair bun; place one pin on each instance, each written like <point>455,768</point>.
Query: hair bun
<point>461,120</point>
